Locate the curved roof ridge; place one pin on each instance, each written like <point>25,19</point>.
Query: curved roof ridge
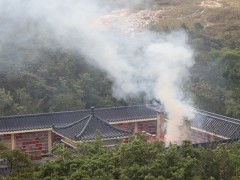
<point>111,125</point>
<point>40,114</point>
<point>72,124</point>
<point>104,122</point>
<point>119,107</point>
<point>62,112</point>
<point>87,123</point>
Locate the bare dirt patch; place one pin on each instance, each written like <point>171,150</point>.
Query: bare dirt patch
<point>211,3</point>
<point>129,21</point>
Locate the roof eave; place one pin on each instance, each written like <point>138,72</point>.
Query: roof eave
<point>25,131</point>
<point>207,132</point>
<point>75,141</point>
<point>132,120</point>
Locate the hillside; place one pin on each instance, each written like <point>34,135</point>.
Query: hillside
<point>218,17</point>
<point>37,74</point>
<point>213,27</point>
<point>213,14</point>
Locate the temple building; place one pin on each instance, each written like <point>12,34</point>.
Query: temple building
<point>36,133</point>
<point>85,129</point>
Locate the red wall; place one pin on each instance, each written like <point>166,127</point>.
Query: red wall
<point>32,142</point>
<point>56,138</point>
<point>147,126</point>
<point>125,126</point>
<point>150,127</point>
<point>6,140</point>
<point>37,142</point>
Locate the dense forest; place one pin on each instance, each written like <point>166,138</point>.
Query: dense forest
<point>38,75</point>
<point>138,159</point>
<point>35,77</point>
<point>54,80</point>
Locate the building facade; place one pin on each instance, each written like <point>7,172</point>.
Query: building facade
<point>36,133</point>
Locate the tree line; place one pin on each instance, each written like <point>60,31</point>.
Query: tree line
<point>57,81</point>
<point>138,159</point>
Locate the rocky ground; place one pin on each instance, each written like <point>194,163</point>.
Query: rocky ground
<point>211,3</point>
<point>128,21</point>
<point>216,14</point>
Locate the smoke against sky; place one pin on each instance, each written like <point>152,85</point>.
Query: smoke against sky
<point>154,64</point>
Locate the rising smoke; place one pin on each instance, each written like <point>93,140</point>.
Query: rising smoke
<point>138,62</point>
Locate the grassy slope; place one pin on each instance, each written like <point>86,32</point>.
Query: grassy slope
<point>216,20</point>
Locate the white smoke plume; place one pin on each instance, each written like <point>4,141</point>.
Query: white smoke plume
<point>141,62</point>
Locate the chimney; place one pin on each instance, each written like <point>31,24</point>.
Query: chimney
<point>160,125</point>
<point>92,110</point>
<point>186,130</point>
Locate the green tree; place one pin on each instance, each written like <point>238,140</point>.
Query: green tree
<point>141,160</point>
<point>231,58</point>
<point>66,101</point>
<point>208,96</point>
<point>26,102</point>
<point>16,160</point>
<point>7,105</point>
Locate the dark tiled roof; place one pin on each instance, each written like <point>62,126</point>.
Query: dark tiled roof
<point>214,123</point>
<point>46,120</point>
<point>214,144</point>
<point>86,129</point>
<point>217,124</point>
<point>127,113</point>
<point>39,121</point>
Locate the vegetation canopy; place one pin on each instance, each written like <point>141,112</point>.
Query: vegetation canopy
<point>138,159</point>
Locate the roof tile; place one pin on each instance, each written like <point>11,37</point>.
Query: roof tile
<point>86,129</point>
